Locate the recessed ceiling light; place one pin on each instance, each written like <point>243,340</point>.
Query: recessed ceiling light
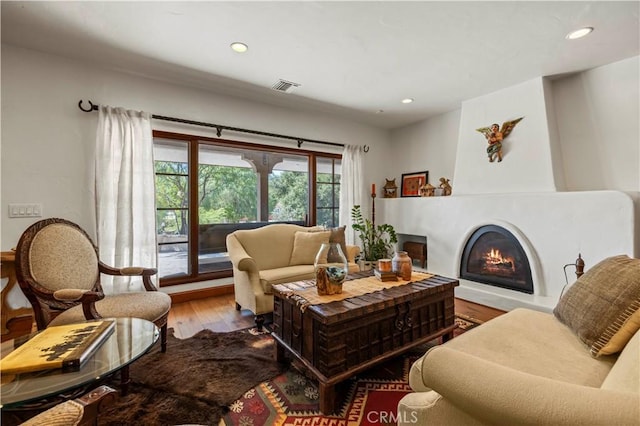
<point>579,33</point>
<point>239,47</point>
<point>407,100</point>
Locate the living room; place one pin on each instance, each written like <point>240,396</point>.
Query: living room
<point>569,183</point>
<point>590,106</point>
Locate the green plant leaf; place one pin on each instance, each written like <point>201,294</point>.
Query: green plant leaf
<point>377,241</point>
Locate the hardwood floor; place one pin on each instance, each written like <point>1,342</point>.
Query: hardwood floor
<point>475,311</point>
<point>219,314</point>
<point>215,313</point>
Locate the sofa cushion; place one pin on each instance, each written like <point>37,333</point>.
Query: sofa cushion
<point>285,274</point>
<point>271,245</point>
<point>338,236</point>
<point>601,303</point>
<point>624,334</point>
<point>532,342</point>
<point>625,373</point>
<point>306,246</point>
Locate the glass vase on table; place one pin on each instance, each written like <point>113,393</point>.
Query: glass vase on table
<point>402,265</point>
<point>331,269</point>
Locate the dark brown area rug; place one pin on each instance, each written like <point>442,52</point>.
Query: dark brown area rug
<point>195,380</point>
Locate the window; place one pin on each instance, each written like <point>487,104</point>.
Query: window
<point>327,191</point>
<point>208,188</point>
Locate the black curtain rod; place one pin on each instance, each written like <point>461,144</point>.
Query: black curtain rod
<point>219,128</point>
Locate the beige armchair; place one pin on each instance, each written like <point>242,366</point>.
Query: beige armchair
<point>58,269</point>
<point>276,254</point>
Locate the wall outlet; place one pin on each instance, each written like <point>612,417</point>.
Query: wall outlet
<point>25,210</point>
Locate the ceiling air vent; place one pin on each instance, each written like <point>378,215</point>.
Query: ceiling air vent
<point>284,86</point>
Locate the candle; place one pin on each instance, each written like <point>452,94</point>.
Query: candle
<point>373,189</point>
<point>384,265</point>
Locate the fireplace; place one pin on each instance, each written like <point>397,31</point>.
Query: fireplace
<point>493,255</point>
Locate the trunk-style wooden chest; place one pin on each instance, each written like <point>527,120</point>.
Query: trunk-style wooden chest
<point>338,339</point>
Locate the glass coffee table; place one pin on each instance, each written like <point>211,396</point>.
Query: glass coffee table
<point>131,339</point>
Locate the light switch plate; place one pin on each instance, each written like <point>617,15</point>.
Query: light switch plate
<point>25,210</point>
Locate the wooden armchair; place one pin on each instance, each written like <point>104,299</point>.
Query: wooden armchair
<point>58,270</point>
<point>82,411</point>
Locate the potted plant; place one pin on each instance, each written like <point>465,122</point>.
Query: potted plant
<point>377,241</point>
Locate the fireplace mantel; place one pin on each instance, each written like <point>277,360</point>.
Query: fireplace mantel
<point>551,227</point>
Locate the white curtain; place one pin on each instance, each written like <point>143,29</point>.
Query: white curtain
<point>350,187</point>
<point>125,194</point>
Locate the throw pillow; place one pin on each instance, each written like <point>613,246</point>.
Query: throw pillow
<point>306,246</point>
<point>338,236</point>
<point>600,306</point>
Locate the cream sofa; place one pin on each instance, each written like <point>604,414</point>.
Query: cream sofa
<point>276,254</point>
<point>528,367</point>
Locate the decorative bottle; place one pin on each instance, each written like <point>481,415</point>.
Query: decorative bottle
<point>331,269</point>
<point>402,266</point>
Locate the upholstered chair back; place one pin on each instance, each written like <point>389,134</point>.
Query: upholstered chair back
<point>52,255</point>
<point>61,256</point>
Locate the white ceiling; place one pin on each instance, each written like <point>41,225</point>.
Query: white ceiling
<point>350,58</point>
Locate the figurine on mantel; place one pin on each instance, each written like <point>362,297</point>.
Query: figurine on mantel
<point>495,135</point>
<point>445,185</point>
<point>427,190</point>
<point>390,188</point>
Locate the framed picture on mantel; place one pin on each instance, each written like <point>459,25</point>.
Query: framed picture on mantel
<point>411,183</point>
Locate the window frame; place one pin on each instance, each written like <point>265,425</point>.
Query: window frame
<point>193,142</point>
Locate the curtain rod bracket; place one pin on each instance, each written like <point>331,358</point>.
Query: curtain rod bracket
<point>92,107</point>
<point>219,131</point>
<point>300,142</point>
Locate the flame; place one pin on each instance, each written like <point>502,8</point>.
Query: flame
<point>495,258</point>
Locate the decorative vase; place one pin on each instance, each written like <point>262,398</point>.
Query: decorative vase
<point>402,266</point>
<point>365,265</point>
<point>331,269</point>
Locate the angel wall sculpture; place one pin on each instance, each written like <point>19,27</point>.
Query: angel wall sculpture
<point>495,135</point>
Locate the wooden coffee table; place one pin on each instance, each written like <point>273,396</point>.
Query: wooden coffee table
<point>338,339</point>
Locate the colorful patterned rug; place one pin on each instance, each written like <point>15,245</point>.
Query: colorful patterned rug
<point>370,398</point>
<point>465,323</point>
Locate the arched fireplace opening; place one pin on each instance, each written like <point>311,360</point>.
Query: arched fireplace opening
<point>494,256</point>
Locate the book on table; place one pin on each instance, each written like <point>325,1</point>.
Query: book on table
<point>385,276</point>
<point>64,346</point>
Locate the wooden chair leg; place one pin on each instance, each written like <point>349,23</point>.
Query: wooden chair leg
<point>163,338</point>
<point>259,322</point>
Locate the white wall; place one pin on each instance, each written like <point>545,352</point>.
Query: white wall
<point>562,143</point>
<point>526,164</point>
<point>596,115</point>
<point>47,142</point>
<point>428,145</point>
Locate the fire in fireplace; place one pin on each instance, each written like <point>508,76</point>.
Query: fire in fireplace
<point>493,255</point>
